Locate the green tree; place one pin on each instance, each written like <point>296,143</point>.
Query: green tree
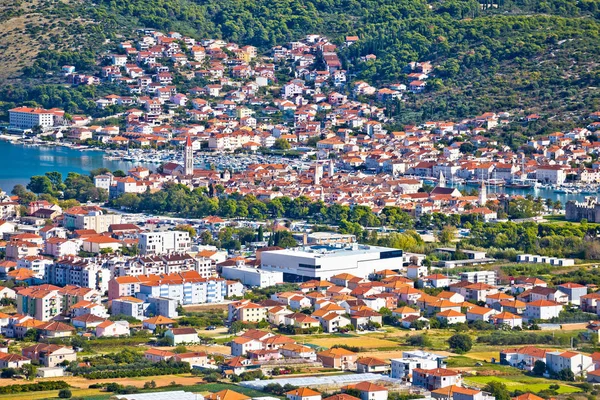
<point>65,394</point>
<point>498,390</point>
<point>187,228</point>
<point>40,184</point>
<point>281,144</point>
<point>460,343</point>
<point>539,368</point>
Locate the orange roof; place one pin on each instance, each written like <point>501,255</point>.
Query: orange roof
<point>159,320</point>
<point>303,392</point>
<point>226,395</point>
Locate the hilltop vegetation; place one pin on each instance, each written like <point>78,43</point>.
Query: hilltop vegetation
<point>487,56</point>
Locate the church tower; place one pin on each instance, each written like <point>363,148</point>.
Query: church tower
<point>188,157</point>
<point>442,180</point>
<point>482,194</point>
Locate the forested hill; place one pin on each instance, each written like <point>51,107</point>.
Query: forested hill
<point>537,55</point>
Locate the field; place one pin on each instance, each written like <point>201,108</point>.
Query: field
<point>97,394</point>
<point>520,382</point>
<point>362,342</point>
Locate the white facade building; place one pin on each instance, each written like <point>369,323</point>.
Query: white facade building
<point>164,242</point>
<point>252,276</point>
<point>402,368</point>
<point>323,262</point>
<point>27,118</point>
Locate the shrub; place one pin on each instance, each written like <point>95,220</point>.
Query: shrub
<point>65,394</point>
<point>460,343</point>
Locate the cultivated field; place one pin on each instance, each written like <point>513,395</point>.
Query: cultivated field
<point>521,381</point>
<point>362,342</point>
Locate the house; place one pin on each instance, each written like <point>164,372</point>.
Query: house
<point>457,393</point>
<point>242,345</point>
<point>451,317</point>
<point>365,319</point>
<point>403,312</point>
<point>156,355</point>
<point>480,313</point>
<point>87,321</point>
<point>435,281</point>
<point>226,395</point>
<point>13,360</point>
<point>369,390</point>
<point>177,336</point>
<point>432,379</point>
<point>112,329</point>
<point>574,290</point>
<point>154,322</point>
<point>578,363</point>
<point>55,329</point>
<point>371,364</point>
<point>50,355</point>
<point>506,318</point>
<point>199,359</point>
<point>332,322</point>
<point>542,309</point>
<point>338,358</point>
<point>303,393</point>
<point>593,376</point>
<point>292,350</point>
<point>402,368</point>
<point>84,307</point>
<point>523,358</point>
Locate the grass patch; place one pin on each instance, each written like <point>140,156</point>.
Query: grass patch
<point>518,381</point>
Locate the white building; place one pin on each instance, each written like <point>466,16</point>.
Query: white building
<point>89,218</point>
<point>542,309</point>
<point>323,262</point>
<point>79,272</point>
<point>28,118</point>
<point>576,362</point>
<point>252,276</point>
<point>402,368</point>
<point>164,242</point>
<point>487,277</point>
<point>129,306</point>
<point>555,174</point>
<point>537,259</point>
<point>213,290</point>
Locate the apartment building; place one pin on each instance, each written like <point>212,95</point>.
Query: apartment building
<point>129,306</point>
<point>79,272</point>
<point>28,118</point>
<point>164,242</point>
<point>89,217</point>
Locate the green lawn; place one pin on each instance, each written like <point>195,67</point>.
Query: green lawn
<point>520,382</point>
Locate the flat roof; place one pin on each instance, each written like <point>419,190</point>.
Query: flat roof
<point>320,251</point>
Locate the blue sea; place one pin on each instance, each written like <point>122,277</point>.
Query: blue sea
<point>18,162</point>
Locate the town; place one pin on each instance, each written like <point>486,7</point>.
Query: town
<point>314,255</point>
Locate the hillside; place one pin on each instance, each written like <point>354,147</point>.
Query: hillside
<point>529,56</point>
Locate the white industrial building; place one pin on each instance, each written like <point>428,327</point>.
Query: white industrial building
<point>537,259</point>
<point>164,242</point>
<point>323,262</point>
<point>252,276</point>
